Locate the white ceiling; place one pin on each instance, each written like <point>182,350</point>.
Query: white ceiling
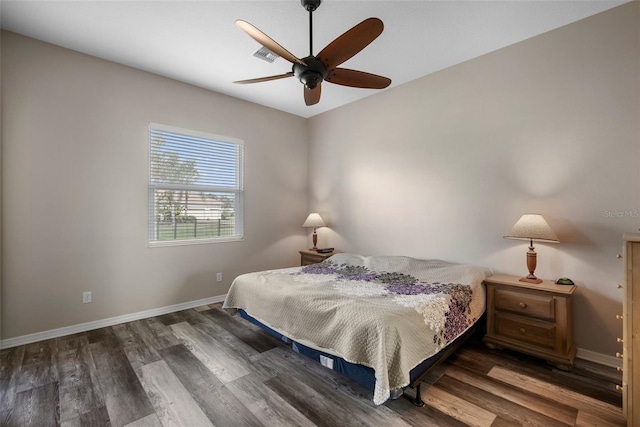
<point>197,41</point>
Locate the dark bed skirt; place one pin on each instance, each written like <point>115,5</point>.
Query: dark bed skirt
<point>361,374</point>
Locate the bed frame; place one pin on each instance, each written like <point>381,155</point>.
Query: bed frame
<point>440,357</point>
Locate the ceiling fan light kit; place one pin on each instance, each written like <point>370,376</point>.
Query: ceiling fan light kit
<point>312,70</point>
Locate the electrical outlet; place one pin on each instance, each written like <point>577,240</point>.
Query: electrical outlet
<point>218,277</point>
<point>86,297</point>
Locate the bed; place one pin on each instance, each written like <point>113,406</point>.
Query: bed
<point>381,320</point>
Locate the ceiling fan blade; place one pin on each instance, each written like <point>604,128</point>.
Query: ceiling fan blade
<point>312,96</point>
<point>267,41</point>
<point>355,78</point>
<point>265,79</point>
<point>351,42</point>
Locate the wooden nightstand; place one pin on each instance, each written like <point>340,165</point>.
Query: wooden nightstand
<point>313,257</point>
<point>536,319</point>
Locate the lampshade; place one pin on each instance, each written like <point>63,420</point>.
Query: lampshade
<point>314,220</point>
<point>532,227</point>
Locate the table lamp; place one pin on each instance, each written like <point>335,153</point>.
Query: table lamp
<point>532,227</point>
<point>314,220</point>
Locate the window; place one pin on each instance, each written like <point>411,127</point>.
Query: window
<point>195,186</point>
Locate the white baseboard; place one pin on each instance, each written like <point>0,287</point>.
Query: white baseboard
<point>602,359</point>
<point>83,327</point>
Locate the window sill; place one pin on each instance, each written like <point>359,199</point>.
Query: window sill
<point>164,243</point>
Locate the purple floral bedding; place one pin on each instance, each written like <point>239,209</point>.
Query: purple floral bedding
<point>387,313</point>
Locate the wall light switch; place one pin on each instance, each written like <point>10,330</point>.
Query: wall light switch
<point>86,297</point>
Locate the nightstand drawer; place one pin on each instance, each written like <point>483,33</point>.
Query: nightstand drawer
<point>542,306</point>
<point>526,330</point>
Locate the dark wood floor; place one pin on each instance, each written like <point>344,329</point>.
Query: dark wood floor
<point>202,367</point>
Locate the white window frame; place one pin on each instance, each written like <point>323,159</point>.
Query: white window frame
<point>237,190</point>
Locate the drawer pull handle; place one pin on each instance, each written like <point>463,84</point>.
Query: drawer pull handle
<point>619,316</point>
<point>619,286</point>
<point>618,256</point>
<point>522,305</point>
<point>523,331</point>
<point>619,369</point>
<point>619,355</point>
<point>618,387</point>
<point>619,340</point>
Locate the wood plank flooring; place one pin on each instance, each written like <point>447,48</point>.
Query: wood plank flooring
<point>202,367</point>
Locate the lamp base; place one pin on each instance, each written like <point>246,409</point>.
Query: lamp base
<point>315,241</point>
<point>526,279</point>
<point>531,266</point>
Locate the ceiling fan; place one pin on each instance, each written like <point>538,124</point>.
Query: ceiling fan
<point>313,70</point>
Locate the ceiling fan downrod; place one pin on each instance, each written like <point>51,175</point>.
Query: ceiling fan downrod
<point>314,72</point>
<point>310,6</point>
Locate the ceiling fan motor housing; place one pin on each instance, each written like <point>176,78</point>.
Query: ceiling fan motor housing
<point>312,74</point>
<point>310,5</point>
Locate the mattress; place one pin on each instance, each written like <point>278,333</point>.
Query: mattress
<point>361,374</point>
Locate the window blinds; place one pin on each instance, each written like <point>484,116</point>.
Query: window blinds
<point>195,185</point>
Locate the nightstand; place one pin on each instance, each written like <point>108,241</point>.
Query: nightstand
<point>536,319</point>
<point>313,257</point>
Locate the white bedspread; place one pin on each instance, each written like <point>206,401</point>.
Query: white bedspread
<point>387,313</point>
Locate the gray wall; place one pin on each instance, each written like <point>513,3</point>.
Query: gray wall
<point>443,166</point>
<point>75,142</point>
<point>437,168</point>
